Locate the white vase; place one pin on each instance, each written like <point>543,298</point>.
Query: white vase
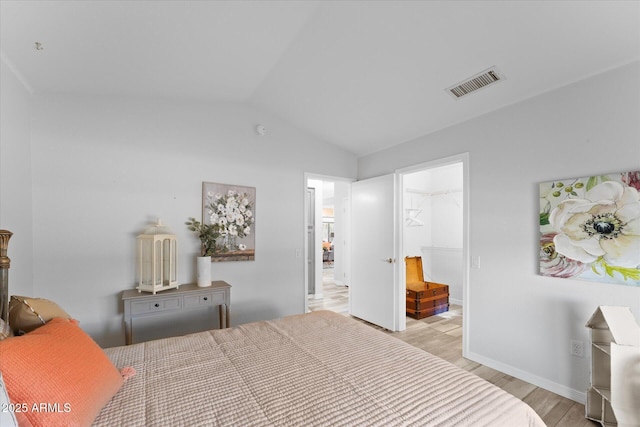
<point>204,271</point>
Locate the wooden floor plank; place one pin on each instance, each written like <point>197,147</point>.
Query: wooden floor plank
<point>442,335</point>
<point>575,418</point>
<point>558,412</point>
<point>515,386</point>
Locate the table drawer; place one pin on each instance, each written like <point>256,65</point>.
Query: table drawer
<point>204,300</point>
<point>156,305</point>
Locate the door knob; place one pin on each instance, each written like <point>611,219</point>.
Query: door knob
<point>390,260</point>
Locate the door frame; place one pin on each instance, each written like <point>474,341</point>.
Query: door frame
<point>466,257</point>
<point>311,240</point>
<point>305,244</point>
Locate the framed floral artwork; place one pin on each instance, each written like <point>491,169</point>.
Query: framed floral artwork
<point>230,210</point>
<point>590,228</point>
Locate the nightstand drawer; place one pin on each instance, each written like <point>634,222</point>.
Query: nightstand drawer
<point>203,300</point>
<point>155,305</point>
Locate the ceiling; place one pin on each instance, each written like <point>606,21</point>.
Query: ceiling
<point>363,75</point>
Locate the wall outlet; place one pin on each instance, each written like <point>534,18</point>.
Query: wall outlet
<point>577,348</point>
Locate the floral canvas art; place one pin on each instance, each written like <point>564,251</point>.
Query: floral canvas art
<point>590,228</point>
<point>229,212</point>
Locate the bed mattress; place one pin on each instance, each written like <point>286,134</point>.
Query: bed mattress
<point>316,369</point>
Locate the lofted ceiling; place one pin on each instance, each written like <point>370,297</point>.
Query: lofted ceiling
<point>363,75</point>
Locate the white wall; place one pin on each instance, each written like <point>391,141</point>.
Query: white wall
<point>437,194</point>
<point>104,167</point>
<point>417,205</point>
<point>521,322</point>
<point>15,179</point>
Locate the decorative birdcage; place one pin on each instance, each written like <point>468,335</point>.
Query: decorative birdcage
<point>157,259</point>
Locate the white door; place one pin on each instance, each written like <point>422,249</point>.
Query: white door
<point>373,293</point>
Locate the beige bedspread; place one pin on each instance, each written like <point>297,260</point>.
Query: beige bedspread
<point>319,369</point>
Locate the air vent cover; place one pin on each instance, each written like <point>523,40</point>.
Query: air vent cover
<point>472,84</point>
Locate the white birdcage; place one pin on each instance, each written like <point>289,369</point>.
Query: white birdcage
<point>157,259</point>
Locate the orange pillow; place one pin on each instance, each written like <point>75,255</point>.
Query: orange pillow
<point>58,374</point>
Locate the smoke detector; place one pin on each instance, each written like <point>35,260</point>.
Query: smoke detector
<point>261,130</point>
<point>472,84</point>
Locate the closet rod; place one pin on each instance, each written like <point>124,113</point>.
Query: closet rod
<point>434,193</point>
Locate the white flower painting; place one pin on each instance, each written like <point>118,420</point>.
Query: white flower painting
<point>590,228</point>
<point>230,210</point>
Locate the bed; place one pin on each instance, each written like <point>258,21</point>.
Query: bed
<point>315,369</point>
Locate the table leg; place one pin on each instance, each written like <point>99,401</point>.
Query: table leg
<point>223,313</point>
<point>127,333</point>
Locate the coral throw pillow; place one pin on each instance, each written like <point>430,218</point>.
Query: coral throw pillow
<point>58,375</point>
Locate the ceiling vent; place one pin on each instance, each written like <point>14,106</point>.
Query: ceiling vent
<point>472,84</point>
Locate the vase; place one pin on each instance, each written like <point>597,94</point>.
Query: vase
<point>230,243</point>
<point>203,264</point>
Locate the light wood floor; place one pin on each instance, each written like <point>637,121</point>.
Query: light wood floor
<point>442,335</point>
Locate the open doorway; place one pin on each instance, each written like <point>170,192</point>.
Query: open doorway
<point>327,268</point>
<point>389,249</point>
<point>433,224</point>
<point>434,210</point>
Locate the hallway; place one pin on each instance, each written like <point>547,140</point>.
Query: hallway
<point>335,297</point>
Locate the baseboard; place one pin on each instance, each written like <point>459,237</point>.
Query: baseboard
<point>339,282</point>
<point>455,301</point>
<point>562,390</point>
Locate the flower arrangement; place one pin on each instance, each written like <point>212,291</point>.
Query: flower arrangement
<point>230,218</point>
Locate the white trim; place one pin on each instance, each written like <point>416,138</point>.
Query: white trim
<point>562,390</point>
<point>400,294</point>
<point>311,175</point>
